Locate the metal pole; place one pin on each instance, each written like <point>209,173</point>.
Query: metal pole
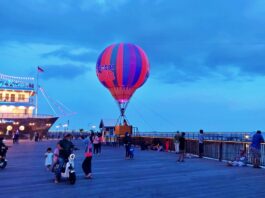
<point>37,88</point>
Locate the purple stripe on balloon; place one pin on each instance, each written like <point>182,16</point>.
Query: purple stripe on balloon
<point>99,61</point>
<point>126,65</point>
<point>132,64</point>
<point>138,66</point>
<point>113,61</point>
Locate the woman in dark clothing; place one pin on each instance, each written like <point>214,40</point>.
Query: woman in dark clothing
<point>181,147</point>
<point>86,165</point>
<point>127,143</point>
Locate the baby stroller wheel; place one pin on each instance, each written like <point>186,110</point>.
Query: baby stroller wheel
<point>72,177</point>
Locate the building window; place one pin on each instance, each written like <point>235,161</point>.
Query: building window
<point>7,97</point>
<point>13,97</point>
<point>21,97</point>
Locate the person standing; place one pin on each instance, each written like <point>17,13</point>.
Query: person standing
<point>65,147</point>
<point>127,143</point>
<point>201,143</point>
<point>257,139</point>
<point>100,140</point>
<point>95,143</point>
<point>176,142</point>
<point>182,146</point>
<point>17,136</point>
<point>86,165</point>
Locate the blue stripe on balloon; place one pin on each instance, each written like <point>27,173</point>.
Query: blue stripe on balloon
<point>98,62</point>
<point>113,61</point>
<point>138,66</point>
<point>126,65</point>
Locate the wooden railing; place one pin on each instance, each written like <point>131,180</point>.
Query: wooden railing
<point>215,149</point>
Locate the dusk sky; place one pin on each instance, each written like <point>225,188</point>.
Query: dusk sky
<point>206,59</point>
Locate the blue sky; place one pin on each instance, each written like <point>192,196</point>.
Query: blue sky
<point>207,59</point>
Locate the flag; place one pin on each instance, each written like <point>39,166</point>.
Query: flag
<point>40,69</point>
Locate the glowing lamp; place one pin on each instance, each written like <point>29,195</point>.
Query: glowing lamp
<point>21,128</point>
<point>9,128</point>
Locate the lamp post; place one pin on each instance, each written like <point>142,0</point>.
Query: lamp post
<point>65,127</point>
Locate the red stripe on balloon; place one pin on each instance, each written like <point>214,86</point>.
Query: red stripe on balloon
<point>119,66</point>
<point>105,60</point>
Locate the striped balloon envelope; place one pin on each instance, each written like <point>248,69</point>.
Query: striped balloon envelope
<point>122,68</point>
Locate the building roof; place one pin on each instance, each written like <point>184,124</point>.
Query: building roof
<point>107,123</point>
<point>16,83</point>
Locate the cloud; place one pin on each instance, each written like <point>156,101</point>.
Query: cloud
<point>184,40</point>
<point>246,60</point>
<point>73,55</point>
<point>65,71</point>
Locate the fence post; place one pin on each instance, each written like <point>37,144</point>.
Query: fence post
<point>220,151</point>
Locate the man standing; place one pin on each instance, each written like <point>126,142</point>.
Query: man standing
<point>127,143</point>
<point>255,149</point>
<point>201,143</point>
<point>182,147</point>
<point>176,142</point>
<point>65,147</point>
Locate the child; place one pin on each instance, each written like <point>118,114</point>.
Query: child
<point>131,153</point>
<point>48,158</point>
<point>240,160</point>
<point>55,158</point>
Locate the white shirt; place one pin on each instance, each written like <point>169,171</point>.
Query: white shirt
<point>48,159</point>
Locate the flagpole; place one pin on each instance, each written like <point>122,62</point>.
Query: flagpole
<point>37,88</point>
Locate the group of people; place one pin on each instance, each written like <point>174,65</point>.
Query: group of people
<point>64,149</point>
<point>240,160</point>
<point>93,146</point>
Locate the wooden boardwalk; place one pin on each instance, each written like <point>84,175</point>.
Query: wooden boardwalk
<point>150,174</point>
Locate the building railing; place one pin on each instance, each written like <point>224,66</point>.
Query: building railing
<point>215,149</point>
<point>21,115</point>
<point>17,100</point>
<point>227,136</point>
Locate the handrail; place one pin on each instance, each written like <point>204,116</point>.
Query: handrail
<point>226,136</point>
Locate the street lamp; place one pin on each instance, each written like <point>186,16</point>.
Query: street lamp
<point>65,126</point>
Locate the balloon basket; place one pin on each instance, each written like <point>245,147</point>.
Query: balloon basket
<point>120,130</point>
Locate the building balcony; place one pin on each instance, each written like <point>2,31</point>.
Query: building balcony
<point>21,115</point>
<point>25,102</point>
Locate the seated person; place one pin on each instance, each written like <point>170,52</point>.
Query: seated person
<point>240,160</point>
<point>159,147</point>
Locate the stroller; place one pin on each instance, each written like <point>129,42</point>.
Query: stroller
<point>68,171</point>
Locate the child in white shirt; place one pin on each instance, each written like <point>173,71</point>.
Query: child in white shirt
<point>48,158</point>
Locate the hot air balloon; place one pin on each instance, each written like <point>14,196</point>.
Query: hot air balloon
<point>122,68</point>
